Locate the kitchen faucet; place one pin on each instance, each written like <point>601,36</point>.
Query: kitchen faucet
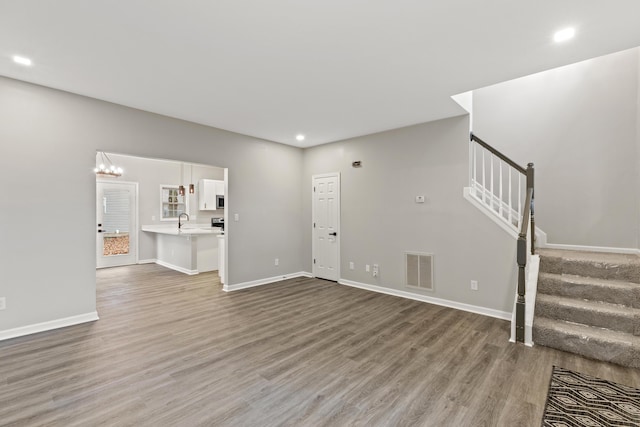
<point>179,217</point>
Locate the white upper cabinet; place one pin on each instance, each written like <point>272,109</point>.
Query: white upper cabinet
<point>208,189</point>
<point>220,188</point>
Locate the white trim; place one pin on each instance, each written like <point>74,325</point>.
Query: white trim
<point>313,220</point>
<point>260,282</point>
<point>177,268</point>
<point>530,302</point>
<point>542,242</point>
<point>227,224</point>
<point>492,215</point>
<point>504,315</point>
<point>47,326</point>
<point>147,261</point>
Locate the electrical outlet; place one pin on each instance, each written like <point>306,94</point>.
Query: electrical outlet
<point>474,285</point>
<point>276,262</point>
<point>376,270</point>
<point>3,303</point>
<point>367,268</point>
<point>351,265</point>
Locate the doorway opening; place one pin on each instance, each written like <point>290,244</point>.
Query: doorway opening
<point>161,211</point>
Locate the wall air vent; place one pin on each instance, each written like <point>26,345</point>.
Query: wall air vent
<point>419,270</point>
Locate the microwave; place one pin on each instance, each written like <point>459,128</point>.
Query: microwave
<point>219,202</point>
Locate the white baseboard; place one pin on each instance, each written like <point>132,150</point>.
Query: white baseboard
<point>437,301</point>
<point>542,242</point>
<point>47,326</point>
<point>177,268</point>
<point>260,282</point>
<point>147,261</point>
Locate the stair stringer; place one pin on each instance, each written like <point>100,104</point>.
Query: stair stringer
<point>509,229</point>
<point>532,271</point>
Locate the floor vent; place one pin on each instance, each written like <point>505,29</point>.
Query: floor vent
<point>419,270</point>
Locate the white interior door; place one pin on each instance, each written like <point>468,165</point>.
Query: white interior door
<point>116,215</point>
<point>326,226</point>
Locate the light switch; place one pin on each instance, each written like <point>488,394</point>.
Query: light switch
<point>236,217</point>
<point>419,199</point>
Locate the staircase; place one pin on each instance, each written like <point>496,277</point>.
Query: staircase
<point>588,303</point>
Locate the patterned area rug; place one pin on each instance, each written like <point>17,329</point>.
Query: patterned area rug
<point>577,400</point>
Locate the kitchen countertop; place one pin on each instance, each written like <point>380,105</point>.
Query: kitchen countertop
<point>186,230</point>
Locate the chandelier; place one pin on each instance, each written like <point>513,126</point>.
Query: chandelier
<point>106,167</point>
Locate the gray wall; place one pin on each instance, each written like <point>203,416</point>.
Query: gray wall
<point>380,220</point>
<point>578,124</point>
<point>47,244</point>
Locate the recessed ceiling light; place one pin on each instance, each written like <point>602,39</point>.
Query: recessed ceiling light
<point>22,60</point>
<point>300,137</point>
<point>564,35</point>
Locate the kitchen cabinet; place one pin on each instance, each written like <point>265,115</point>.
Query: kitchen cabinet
<point>219,188</point>
<point>208,189</point>
<point>192,249</point>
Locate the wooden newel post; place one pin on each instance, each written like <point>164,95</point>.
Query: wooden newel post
<point>520,303</point>
<point>530,184</point>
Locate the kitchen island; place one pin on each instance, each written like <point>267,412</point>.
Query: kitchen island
<point>191,249</point>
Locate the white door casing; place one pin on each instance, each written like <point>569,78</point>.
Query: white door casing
<point>116,223</point>
<point>326,226</point>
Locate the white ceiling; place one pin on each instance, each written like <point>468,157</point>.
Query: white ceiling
<point>330,69</point>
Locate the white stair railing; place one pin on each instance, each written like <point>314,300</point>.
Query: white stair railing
<point>497,183</point>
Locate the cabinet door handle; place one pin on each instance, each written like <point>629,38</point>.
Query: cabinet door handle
<point>333,234</point>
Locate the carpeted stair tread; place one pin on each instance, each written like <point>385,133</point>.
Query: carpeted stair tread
<point>609,258</point>
<point>590,288</point>
<point>596,343</point>
<point>622,267</point>
<point>593,313</point>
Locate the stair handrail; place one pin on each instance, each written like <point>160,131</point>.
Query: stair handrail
<point>511,163</point>
<point>526,225</point>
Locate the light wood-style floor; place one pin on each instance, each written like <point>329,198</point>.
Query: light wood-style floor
<point>174,350</point>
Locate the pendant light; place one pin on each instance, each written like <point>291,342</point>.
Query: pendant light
<point>181,187</point>
<point>192,188</point>
<point>106,168</point>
